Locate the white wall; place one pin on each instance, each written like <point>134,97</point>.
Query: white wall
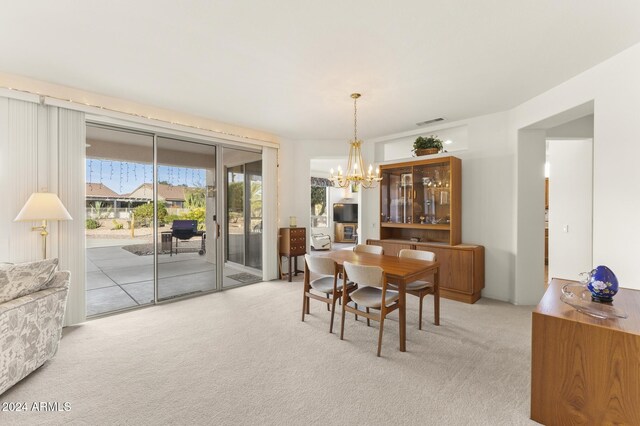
<point>294,159</point>
<point>402,144</point>
<point>487,194</point>
<point>529,233</point>
<point>614,88</point>
<point>580,128</point>
<point>570,207</point>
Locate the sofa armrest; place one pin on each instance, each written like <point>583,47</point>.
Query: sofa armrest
<point>59,279</point>
<point>21,301</point>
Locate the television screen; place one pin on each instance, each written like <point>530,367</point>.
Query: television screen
<point>346,213</point>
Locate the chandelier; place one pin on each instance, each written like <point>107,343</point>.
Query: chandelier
<point>355,174</point>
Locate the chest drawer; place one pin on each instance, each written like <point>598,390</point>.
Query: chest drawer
<point>293,241</point>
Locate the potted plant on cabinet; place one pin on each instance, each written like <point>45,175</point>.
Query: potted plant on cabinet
<point>427,146</point>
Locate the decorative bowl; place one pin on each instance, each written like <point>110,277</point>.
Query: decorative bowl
<point>580,298</point>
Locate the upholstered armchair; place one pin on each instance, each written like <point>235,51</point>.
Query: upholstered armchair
<point>30,324</point>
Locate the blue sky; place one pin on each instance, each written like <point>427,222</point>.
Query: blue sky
<point>123,177</point>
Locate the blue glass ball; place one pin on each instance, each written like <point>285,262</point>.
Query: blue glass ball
<point>602,284</point>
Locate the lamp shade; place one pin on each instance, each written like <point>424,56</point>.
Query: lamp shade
<point>43,206</point>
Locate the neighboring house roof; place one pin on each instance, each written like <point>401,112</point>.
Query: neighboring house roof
<point>165,192</point>
<point>144,191</point>
<point>99,190</point>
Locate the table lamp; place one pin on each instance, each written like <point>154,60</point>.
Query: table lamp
<point>43,206</point>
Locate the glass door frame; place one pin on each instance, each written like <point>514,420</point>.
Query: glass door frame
<point>218,244</point>
<point>220,194</point>
<point>246,212</point>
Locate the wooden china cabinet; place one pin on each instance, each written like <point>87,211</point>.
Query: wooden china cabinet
<point>421,209</point>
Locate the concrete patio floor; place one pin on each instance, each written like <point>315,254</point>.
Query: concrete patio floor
<point>118,279</point>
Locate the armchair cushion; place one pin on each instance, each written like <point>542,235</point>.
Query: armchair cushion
<point>25,278</point>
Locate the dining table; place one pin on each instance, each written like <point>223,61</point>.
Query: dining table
<point>400,272</point>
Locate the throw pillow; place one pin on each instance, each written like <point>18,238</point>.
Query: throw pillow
<point>25,278</point>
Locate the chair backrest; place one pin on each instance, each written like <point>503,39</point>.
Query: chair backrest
<point>417,254</point>
<point>320,265</point>
<point>364,248</point>
<point>362,275</point>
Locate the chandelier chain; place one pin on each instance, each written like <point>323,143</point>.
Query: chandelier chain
<point>355,119</point>
<point>355,173</point>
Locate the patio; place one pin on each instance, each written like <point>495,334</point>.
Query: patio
<point>118,279</point>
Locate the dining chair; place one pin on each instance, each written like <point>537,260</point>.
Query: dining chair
<point>421,288</point>
<point>371,293</point>
<point>364,248</point>
<point>327,284</point>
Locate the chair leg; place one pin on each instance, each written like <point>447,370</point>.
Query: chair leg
<point>342,322</point>
<point>305,299</point>
<point>333,312</point>
<point>356,305</point>
<point>420,314</point>
<point>328,309</point>
<point>368,321</point>
<point>380,334</point>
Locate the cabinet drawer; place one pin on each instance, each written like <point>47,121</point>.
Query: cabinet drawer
<point>298,250</point>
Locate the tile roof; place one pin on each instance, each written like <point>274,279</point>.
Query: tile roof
<point>165,192</point>
<point>100,190</point>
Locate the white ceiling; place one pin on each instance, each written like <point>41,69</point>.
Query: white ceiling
<point>288,66</point>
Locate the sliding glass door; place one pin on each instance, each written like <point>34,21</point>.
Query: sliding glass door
<point>243,216</point>
<point>186,218</point>
<point>151,221</point>
<point>119,219</point>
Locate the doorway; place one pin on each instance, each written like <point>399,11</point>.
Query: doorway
<point>569,211</point>
<point>576,123</point>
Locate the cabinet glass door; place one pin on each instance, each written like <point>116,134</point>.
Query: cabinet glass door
<point>432,194</point>
<point>397,196</point>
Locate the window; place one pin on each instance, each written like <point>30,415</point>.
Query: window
<point>319,197</point>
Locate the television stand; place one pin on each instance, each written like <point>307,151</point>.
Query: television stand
<point>345,232</point>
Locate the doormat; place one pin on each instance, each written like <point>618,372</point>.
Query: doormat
<point>245,277</point>
<point>147,249</point>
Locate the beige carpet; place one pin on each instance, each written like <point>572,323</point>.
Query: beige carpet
<point>244,357</point>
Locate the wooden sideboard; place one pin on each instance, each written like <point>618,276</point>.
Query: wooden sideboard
<point>585,370</point>
<point>461,266</point>
<point>292,242</point>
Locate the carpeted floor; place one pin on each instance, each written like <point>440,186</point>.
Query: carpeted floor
<point>244,357</point>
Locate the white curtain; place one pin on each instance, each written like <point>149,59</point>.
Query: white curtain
<point>71,189</point>
<point>42,150</point>
<point>19,136</point>
<point>269,213</point>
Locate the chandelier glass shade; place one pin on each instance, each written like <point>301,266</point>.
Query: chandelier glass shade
<point>355,173</point>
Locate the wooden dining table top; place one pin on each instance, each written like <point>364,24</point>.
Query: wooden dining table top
<point>402,270</point>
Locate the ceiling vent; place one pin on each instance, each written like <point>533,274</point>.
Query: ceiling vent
<point>424,123</point>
